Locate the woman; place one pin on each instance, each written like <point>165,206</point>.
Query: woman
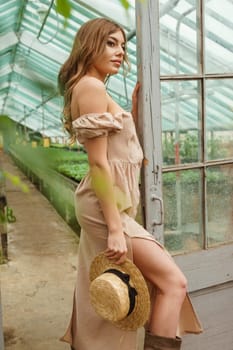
<point>107,198</point>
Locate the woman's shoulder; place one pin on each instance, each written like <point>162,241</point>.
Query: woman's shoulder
<point>89,84</point>
<point>89,96</point>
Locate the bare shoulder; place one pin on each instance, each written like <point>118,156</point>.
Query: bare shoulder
<point>90,85</point>
<point>90,96</point>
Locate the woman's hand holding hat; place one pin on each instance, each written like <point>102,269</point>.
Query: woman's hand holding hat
<point>117,249</point>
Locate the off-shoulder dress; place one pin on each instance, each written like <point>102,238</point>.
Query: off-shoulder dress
<point>86,330</point>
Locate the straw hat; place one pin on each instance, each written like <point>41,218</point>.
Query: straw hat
<point>119,293</point>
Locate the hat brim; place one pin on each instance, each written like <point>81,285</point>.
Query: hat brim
<point>140,313</point>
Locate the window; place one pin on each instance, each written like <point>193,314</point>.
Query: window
<point>196,56</point>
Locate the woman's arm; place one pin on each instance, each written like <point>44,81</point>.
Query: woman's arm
<point>102,183</point>
<point>135,104</point>
<point>100,171</point>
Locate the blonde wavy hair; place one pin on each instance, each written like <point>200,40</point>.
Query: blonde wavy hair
<point>89,43</point>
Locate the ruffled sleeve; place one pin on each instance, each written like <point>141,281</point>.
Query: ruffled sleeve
<point>96,124</point>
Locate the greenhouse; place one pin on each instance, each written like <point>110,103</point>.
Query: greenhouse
<point>181,52</point>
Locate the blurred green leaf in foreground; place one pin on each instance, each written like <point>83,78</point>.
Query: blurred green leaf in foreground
<point>63,7</point>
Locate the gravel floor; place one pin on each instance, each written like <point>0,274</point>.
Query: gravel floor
<point>37,282</point>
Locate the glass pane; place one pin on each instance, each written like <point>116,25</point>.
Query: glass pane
<point>219,204</point>
<point>178,37</point>
<point>219,119</point>
<point>182,211</point>
<point>180,122</point>
<point>218,36</point>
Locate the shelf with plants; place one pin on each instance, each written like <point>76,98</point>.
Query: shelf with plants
<point>55,172</point>
<point>68,162</point>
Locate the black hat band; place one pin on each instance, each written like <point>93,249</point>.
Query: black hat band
<point>131,290</point>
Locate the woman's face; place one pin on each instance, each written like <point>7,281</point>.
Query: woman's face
<point>110,61</point>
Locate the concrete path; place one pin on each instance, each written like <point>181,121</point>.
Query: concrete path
<point>37,283</point>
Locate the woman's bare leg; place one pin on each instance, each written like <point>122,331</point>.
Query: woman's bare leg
<point>156,265</point>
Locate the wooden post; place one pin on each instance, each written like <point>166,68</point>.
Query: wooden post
<point>3,218</point>
<point>150,133</point>
<point>2,187</point>
<point>3,227</point>
<point>1,327</point>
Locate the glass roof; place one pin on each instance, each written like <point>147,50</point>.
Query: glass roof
<point>34,43</point>
<point>32,53</point>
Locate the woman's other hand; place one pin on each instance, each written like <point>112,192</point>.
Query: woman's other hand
<point>135,102</point>
<point>117,248</point>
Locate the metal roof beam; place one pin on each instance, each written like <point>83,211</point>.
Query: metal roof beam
<point>6,69</point>
<point>34,78</point>
<point>33,43</point>
<point>8,40</point>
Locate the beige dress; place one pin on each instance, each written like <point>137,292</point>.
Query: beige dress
<point>87,331</point>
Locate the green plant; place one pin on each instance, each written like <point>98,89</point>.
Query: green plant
<point>189,147</point>
<point>74,171</point>
<point>168,148</point>
<point>70,163</point>
<point>2,259</point>
<point>215,149</point>
<point>189,144</point>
